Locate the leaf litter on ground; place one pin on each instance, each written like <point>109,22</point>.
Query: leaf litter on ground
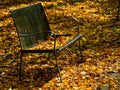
<point>101,69</point>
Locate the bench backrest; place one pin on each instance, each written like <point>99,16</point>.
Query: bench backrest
<point>31,24</point>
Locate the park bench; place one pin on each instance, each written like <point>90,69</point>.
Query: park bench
<point>32,26</point>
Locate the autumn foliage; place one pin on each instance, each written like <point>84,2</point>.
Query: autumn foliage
<point>100,45</point>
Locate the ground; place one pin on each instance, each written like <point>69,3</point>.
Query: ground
<point>100,66</point>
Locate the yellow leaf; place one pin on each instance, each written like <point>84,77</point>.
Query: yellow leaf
<point>112,83</point>
<point>71,70</point>
<point>102,63</point>
<point>94,68</point>
<point>84,39</point>
<point>89,88</point>
<point>97,54</point>
<point>100,70</point>
<point>100,27</point>
<point>76,88</point>
<point>87,52</point>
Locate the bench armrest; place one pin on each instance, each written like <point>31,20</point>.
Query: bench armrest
<point>57,35</point>
<point>71,19</point>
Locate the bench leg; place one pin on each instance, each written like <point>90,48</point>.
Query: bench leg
<point>48,57</point>
<point>79,46</point>
<point>58,66</point>
<point>20,68</point>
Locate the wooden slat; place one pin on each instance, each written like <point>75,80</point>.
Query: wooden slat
<point>77,37</point>
<point>28,20</point>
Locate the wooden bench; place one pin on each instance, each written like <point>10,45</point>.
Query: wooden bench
<point>32,26</point>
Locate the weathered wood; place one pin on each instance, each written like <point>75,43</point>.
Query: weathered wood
<point>30,20</point>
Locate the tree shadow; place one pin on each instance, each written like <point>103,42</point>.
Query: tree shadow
<point>36,77</point>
